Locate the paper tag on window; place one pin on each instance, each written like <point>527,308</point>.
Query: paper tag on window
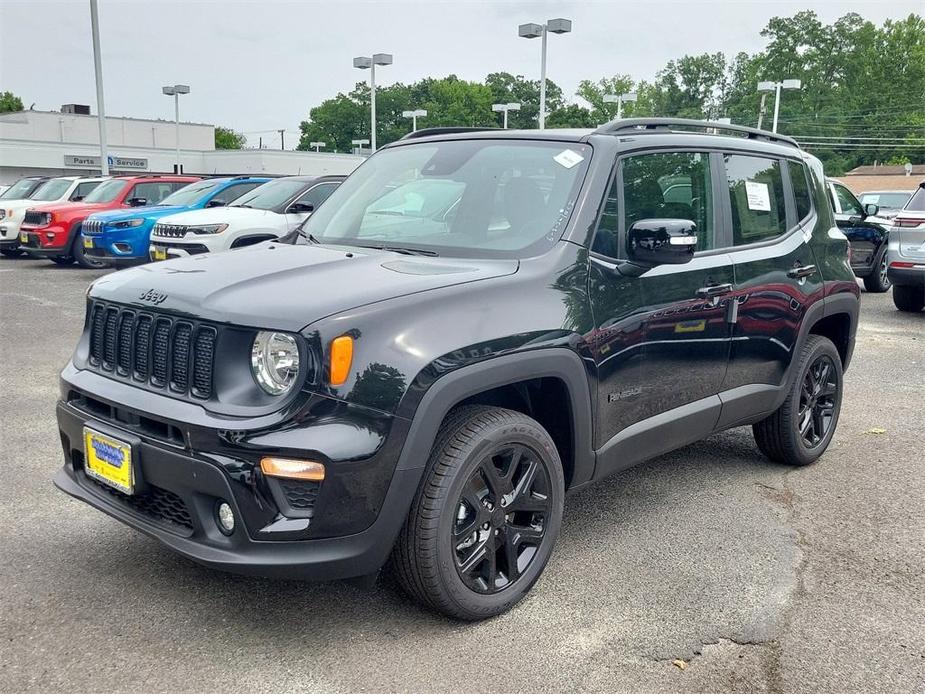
<point>758,196</point>
<point>568,158</point>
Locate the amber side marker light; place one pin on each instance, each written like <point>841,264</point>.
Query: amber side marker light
<point>341,358</point>
<point>292,469</point>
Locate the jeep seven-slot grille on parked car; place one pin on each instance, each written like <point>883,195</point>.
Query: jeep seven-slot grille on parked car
<point>165,352</point>
<point>92,226</point>
<point>176,231</point>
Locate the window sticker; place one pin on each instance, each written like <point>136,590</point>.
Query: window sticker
<point>758,196</point>
<point>568,158</point>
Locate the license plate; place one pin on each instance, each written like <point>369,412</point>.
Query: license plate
<point>109,460</point>
<point>24,238</point>
<point>88,242</point>
<point>160,253</point>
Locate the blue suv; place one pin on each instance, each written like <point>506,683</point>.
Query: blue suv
<point>121,237</point>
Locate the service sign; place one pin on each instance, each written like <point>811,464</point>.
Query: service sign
<point>115,162</point>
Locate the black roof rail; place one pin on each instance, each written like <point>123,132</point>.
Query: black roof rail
<point>448,130</point>
<point>642,125</point>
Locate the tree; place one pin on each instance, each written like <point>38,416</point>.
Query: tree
<point>10,102</point>
<point>507,88</point>
<point>226,138</point>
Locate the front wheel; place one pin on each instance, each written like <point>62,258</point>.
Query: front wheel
<point>486,515</point>
<point>85,261</point>
<point>801,429</point>
<point>909,298</point>
<point>877,281</point>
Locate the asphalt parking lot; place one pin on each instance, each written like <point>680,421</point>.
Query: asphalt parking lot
<point>759,578</point>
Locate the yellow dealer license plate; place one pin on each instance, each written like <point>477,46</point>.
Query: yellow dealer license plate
<point>160,253</point>
<point>88,242</point>
<point>24,238</point>
<point>109,460</point>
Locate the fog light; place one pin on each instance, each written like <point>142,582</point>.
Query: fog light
<point>123,247</point>
<point>51,236</point>
<point>225,517</point>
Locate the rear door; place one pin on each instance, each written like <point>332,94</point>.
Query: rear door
<point>771,218</point>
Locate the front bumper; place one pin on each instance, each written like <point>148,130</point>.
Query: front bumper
<point>178,496</point>
<point>164,250</point>
<point>48,242</point>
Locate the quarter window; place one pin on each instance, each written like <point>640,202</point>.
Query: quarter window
<point>756,195</point>
<point>800,185</point>
<point>670,185</point>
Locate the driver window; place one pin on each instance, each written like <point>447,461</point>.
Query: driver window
<point>849,203</point>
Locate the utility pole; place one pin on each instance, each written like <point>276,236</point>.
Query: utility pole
<point>762,109</point>
<point>282,139</point>
<point>98,70</point>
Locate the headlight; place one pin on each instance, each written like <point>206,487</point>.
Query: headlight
<point>207,229</point>
<point>275,362</point>
<point>128,224</point>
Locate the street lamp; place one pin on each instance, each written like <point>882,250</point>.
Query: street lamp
<point>619,100</point>
<point>98,73</point>
<point>317,145</point>
<point>175,92</point>
<point>765,88</point>
<point>414,115</point>
<point>533,31</point>
<point>359,143</point>
<point>370,64</point>
<point>504,108</point>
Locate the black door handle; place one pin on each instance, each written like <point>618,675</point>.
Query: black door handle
<point>800,272</point>
<point>714,290</point>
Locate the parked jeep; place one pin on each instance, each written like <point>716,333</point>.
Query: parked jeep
<point>867,233</point>
<point>122,237</point>
<point>425,379</point>
<point>52,230</point>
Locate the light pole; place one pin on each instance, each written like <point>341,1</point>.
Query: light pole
<point>370,64</point>
<point>532,31</point>
<point>359,144</point>
<point>414,115</point>
<point>504,108</point>
<point>775,87</point>
<point>175,92</point>
<point>619,100</point>
<point>317,145</point>
<point>98,72</point>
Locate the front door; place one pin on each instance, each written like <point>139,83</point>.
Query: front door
<point>663,337</point>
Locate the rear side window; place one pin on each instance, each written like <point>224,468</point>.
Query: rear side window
<point>756,195</point>
<point>674,185</point>
<point>801,194</point>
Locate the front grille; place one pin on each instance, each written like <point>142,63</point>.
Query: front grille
<point>38,219</point>
<point>159,504</point>
<point>163,351</point>
<point>300,494</point>
<point>173,231</point>
<point>92,226</point>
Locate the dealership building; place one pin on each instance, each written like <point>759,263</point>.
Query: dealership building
<point>66,143</point>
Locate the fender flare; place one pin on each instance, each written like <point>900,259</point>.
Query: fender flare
<point>451,389</point>
<point>252,240</point>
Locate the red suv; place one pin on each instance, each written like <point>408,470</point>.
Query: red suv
<point>53,231</point>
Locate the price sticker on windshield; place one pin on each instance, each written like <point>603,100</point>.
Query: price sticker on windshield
<point>568,158</point>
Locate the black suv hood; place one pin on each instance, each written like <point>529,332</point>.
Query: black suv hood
<point>274,285</point>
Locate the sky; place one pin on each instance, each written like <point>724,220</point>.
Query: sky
<point>260,66</point>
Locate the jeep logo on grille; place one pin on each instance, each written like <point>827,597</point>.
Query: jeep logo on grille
<point>153,297</point>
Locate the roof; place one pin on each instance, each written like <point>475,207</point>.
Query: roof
<point>109,116</point>
<point>886,170</point>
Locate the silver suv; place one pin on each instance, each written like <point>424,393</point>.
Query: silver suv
<point>906,254</point>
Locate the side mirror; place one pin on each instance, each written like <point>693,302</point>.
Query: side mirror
<point>871,209</point>
<point>137,202</point>
<point>301,208</point>
<point>215,203</point>
<point>661,241</point>
<point>77,198</point>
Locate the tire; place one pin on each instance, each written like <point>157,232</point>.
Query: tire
<point>11,252</point>
<point>801,429</point>
<point>909,298</point>
<point>877,281</point>
<point>462,512</point>
<point>84,260</point>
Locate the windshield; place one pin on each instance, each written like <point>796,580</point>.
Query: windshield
<point>503,198</point>
<point>52,190</point>
<point>270,195</point>
<point>107,191</point>
<point>20,189</point>
<point>189,194</point>
<point>886,201</point>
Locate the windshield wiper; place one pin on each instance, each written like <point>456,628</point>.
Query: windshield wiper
<point>403,250</point>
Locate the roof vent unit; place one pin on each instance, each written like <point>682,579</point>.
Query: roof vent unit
<point>79,109</point>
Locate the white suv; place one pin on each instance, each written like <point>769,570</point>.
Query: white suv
<point>265,213</point>
<point>905,254</point>
<point>62,189</point>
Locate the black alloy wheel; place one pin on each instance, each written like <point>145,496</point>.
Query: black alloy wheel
<point>818,401</point>
<point>501,518</point>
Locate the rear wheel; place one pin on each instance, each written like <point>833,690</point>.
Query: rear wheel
<point>909,298</point>
<point>486,516</point>
<point>877,281</point>
<point>801,429</point>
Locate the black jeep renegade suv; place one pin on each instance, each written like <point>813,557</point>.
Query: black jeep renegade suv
<point>474,324</point>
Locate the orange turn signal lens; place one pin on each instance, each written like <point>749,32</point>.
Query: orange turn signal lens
<point>341,358</point>
<point>293,469</point>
